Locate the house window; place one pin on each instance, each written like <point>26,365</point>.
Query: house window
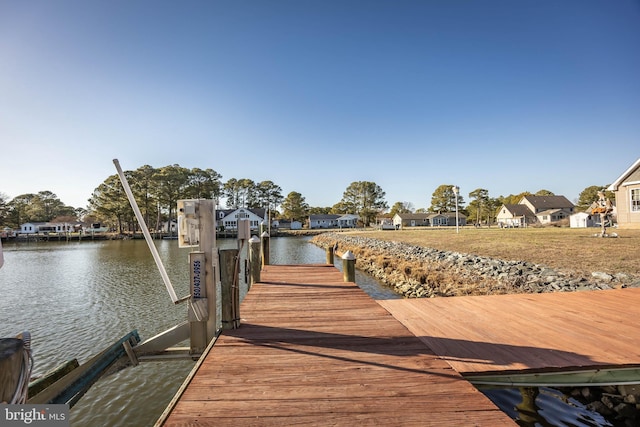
<point>635,200</point>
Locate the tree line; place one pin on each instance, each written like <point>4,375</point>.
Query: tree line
<point>157,191</point>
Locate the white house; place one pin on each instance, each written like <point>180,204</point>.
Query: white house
<point>323,220</point>
<point>333,221</point>
<point>227,219</point>
<point>170,229</point>
<point>46,227</point>
<point>348,221</point>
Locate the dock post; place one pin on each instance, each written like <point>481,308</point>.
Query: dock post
<point>265,248</point>
<point>349,267</point>
<point>230,289</point>
<point>204,329</point>
<point>330,254</point>
<point>254,260</point>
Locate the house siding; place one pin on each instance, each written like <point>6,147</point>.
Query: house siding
<point>627,217</point>
<point>628,210</point>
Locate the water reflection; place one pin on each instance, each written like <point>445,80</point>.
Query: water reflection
<point>543,407</point>
<point>77,298</point>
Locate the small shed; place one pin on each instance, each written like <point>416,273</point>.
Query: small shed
<point>582,220</point>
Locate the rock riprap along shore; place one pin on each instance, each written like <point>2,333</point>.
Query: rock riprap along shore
<point>421,272</point>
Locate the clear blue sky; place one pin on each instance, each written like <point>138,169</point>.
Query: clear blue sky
<point>509,96</point>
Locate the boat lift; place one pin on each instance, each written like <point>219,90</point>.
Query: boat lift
<point>70,381</point>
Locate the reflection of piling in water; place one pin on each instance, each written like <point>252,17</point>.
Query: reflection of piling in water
<point>527,409</point>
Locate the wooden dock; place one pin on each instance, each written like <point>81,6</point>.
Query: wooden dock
<point>588,334</point>
<point>314,350</point>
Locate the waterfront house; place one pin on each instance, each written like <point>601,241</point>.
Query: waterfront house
<point>46,227</point>
<point>627,191</point>
<point>286,224</point>
<point>227,219</point>
<point>333,221</point>
<point>170,227</point>
<point>348,221</point>
<point>323,220</point>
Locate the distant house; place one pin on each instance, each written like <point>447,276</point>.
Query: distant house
<point>438,220</point>
<point>333,221</point>
<point>582,220</point>
<point>535,209</point>
<point>515,216</point>
<point>323,220</point>
<point>401,220</point>
<point>227,219</point>
<point>46,227</point>
<point>450,218</point>
<point>385,223</point>
<point>286,224</point>
<point>348,221</point>
<point>170,227</point>
<point>627,191</point>
<point>429,219</point>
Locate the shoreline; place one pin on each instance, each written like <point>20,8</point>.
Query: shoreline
<point>420,272</point>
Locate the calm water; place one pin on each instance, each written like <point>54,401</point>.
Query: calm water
<point>77,298</point>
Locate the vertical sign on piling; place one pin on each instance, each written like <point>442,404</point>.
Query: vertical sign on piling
<point>197,229</point>
<point>197,313</point>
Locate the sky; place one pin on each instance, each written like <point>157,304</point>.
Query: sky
<point>504,95</point>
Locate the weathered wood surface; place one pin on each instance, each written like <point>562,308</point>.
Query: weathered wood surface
<point>11,360</point>
<point>313,350</point>
<point>535,333</point>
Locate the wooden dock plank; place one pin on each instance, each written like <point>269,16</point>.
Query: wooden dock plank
<point>543,332</point>
<point>313,350</point>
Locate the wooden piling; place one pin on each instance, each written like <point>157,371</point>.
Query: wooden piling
<point>330,254</point>
<point>230,291</point>
<point>254,260</point>
<point>349,266</point>
<point>265,248</point>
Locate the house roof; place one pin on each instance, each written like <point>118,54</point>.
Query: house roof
<point>625,175</point>
<point>348,216</point>
<point>410,216</point>
<point>453,215</point>
<point>256,211</point>
<point>549,212</point>
<point>518,210</point>
<point>317,217</point>
<point>548,202</point>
